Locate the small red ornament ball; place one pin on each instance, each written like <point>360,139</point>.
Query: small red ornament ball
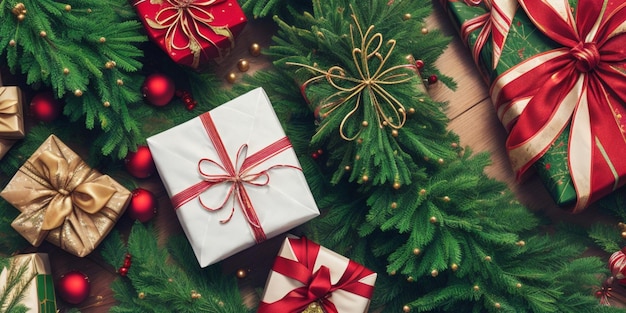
<point>140,163</point>
<point>73,287</point>
<point>433,79</point>
<point>143,205</point>
<point>44,107</point>
<point>158,89</point>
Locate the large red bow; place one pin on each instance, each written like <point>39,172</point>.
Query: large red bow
<point>317,284</point>
<point>581,84</point>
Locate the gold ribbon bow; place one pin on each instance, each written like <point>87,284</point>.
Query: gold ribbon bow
<point>69,190</point>
<point>370,65</point>
<point>10,121</point>
<point>187,16</point>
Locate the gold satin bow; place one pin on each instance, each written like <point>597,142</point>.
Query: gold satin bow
<point>55,173</point>
<point>10,124</point>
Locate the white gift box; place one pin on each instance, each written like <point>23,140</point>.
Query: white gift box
<point>279,286</point>
<point>215,223</point>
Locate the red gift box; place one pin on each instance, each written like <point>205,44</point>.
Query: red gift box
<point>192,32</point>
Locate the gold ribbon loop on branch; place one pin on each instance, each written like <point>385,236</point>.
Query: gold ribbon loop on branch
<point>372,77</point>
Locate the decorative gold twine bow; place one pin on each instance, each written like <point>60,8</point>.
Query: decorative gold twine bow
<point>67,189</point>
<point>187,16</point>
<point>370,80</point>
<point>8,109</point>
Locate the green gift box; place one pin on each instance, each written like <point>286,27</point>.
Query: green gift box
<point>526,44</point>
<point>27,277</point>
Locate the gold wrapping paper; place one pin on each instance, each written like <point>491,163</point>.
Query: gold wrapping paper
<point>63,200</point>
<point>37,297</point>
<point>5,145</point>
<point>11,113</point>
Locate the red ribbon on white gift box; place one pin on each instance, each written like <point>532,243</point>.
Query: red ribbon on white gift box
<point>238,175</point>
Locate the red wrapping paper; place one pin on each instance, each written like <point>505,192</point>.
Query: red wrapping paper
<point>192,32</point>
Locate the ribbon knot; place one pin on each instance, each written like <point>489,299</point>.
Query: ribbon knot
<point>586,55</point>
<point>69,191</point>
<point>320,285</point>
<point>183,20</point>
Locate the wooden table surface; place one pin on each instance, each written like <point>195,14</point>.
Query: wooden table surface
<point>472,117</point>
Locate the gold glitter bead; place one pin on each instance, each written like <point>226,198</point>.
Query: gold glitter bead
<point>18,8</point>
<point>422,192</point>
<point>359,141</point>
<point>446,199</point>
<point>43,33</point>
<point>66,71</point>
<point>433,220</point>
<point>120,82</point>
<point>365,178</point>
<point>406,16</point>
<point>385,123</point>
<point>78,93</point>
<point>624,235</point>
<point>231,78</point>
<point>497,305</point>
<point>347,168</point>
<point>89,10</point>
<point>68,7</point>
<point>106,104</point>
<point>141,295</point>
<point>243,65</point>
<point>454,145</point>
<point>365,123</point>
<point>410,279</point>
<point>255,49</point>
<point>421,100</point>
<point>170,280</point>
<point>392,273</point>
<point>12,43</point>
<point>488,258</point>
<point>102,40</point>
<point>406,309</point>
<point>394,133</point>
<point>440,161</point>
<point>476,288</point>
<point>357,157</point>
<point>434,273</point>
<point>396,185</point>
<point>242,273</point>
<point>411,110</point>
<point>518,285</point>
<point>394,205</point>
<point>109,65</point>
<point>454,267</point>
<point>21,17</point>
<point>521,243</point>
<point>417,251</point>
<point>424,30</point>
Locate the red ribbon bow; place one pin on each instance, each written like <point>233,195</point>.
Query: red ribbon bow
<point>238,175</point>
<point>580,85</point>
<point>183,20</point>
<point>317,284</point>
<point>495,23</point>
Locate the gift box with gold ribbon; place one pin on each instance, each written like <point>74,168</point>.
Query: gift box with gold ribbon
<point>63,200</point>
<point>11,118</point>
<point>26,282</point>
<point>309,278</point>
<point>557,71</point>
<point>192,32</point>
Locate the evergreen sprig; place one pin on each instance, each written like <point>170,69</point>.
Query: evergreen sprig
<point>168,280</point>
<point>87,52</point>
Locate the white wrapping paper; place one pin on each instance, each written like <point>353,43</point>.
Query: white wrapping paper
<point>285,202</point>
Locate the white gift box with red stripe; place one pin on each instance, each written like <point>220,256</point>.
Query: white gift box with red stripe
<point>233,177</point>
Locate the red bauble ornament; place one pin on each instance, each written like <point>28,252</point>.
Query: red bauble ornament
<point>158,89</point>
<point>73,287</point>
<point>433,79</point>
<point>44,107</point>
<point>140,163</point>
<point>419,64</point>
<point>143,205</point>
<point>123,271</point>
